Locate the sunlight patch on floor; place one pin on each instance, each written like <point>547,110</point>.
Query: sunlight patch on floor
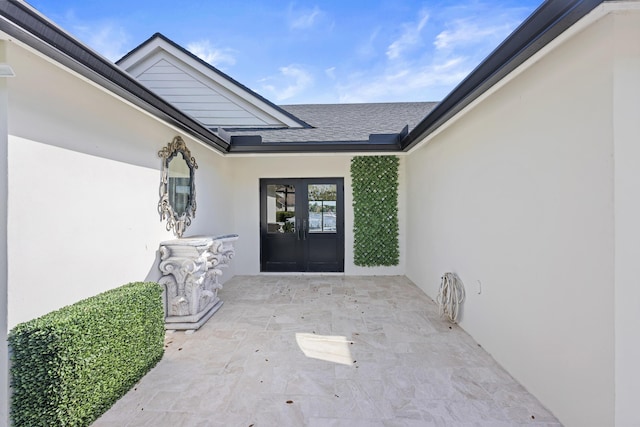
<point>325,347</point>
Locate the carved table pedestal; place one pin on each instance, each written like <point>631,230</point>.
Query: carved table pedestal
<point>191,268</point>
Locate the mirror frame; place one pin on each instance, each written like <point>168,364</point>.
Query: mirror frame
<point>176,223</point>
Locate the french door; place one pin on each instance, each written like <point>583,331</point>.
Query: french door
<point>302,225</point>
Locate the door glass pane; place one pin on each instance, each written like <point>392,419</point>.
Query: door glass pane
<point>322,208</point>
<point>281,208</point>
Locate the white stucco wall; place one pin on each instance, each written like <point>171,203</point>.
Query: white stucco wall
<point>626,131</point>
<point>84,175</point>
<point>247,172</point>
<point>517,198</point>
<point>4,141</point>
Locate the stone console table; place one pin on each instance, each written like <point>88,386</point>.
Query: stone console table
<point>191,268</point>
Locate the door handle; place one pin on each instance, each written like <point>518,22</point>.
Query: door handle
<point>305,229</point>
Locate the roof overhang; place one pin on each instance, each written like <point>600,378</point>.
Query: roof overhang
<point>26,25</point>
<point>382,142</point>
<point>315,147</point>
<point>551,19</point>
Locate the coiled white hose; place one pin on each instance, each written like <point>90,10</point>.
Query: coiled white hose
<point>450,296</point>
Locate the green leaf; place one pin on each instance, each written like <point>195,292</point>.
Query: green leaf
<point>69,366</point>
<point>375,208</point>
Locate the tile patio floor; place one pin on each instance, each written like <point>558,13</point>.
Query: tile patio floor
<point>404,365</point>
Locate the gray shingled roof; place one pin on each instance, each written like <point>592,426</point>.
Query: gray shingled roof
<point>344,122</point>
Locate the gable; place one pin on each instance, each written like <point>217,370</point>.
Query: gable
<point>208,103</point>
<point>200,90</point>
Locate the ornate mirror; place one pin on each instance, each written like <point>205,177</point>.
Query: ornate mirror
<point>177,186</point>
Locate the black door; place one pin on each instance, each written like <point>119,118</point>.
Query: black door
<point>302,224</point>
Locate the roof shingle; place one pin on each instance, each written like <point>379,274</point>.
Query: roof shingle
<point>344,122</point>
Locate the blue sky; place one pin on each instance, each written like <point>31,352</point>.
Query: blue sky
<point>304,52</point>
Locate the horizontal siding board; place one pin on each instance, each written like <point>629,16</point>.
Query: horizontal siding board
<point>177,84</point>
<point>168,91</point>
<point>220,114</point>
<point>215,102</point>
<point>162,69</point>
<point>163,64</point>
<point>212,99</point>
<point>147,77</point>
<point>231,122</point>
<point>214,108</point>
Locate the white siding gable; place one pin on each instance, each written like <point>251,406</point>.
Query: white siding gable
<point>200,91</point>
<point>197,99</point>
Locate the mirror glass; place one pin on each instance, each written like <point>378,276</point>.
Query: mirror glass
<point>177,186</point>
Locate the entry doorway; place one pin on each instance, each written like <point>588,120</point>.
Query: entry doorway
<point>302,225</point>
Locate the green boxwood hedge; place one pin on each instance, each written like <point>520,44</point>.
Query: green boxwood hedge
<point>71,365</point>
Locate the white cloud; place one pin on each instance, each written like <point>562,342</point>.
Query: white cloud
<point>465,32</point>
<point>368,49</point>
<point>106,37</point>
<point>214,56</point>
<point>109,39</point>
<point>410,37</point>
<point>331,72</point>
<point>449,64</point>
<point>416,82</point>
<point>292,80</point>
<point>424,64</point>
<point>304,19</point>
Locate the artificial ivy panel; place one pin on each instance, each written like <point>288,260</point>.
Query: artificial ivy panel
<point>375,210</point>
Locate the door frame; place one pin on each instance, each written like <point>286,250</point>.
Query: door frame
<point>303,250</point>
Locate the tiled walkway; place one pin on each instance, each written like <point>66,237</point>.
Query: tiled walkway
<point>394,362</point>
